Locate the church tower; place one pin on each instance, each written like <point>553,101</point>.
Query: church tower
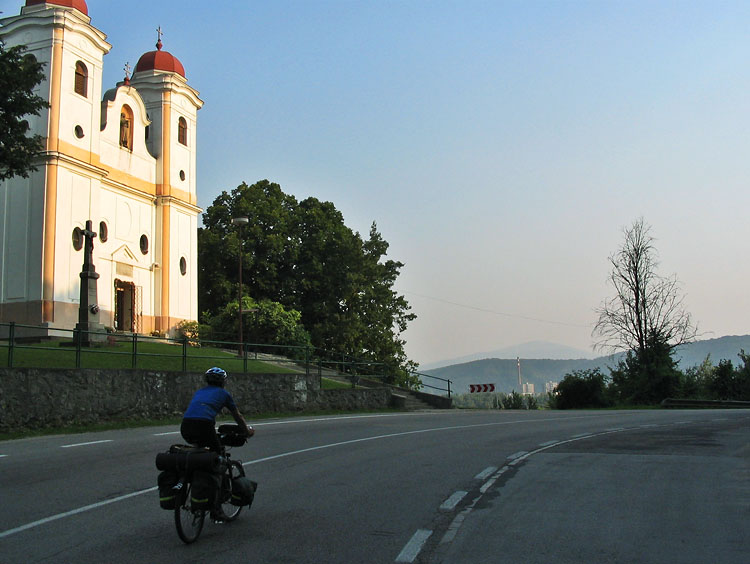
<point>172,107</point>
<point>125,159</point>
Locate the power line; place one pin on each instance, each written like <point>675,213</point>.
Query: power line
<point>501,313</point>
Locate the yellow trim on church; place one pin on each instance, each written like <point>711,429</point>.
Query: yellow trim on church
<point>50,193</point>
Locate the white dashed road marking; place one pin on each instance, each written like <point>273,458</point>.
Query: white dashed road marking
<point>87,444</point>
<point>414,546</point>
<point>486,473</point>
<point>451,503</point>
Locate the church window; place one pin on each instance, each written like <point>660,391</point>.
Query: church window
<point>103,231</point>
<point>182,175</point>
<point>79,132</point>
<point>144,244</point>
<point>182,131</point>
<point>183,266</point>
<point>77,239</point>
<point>81,81</point>
<point>126,128</point>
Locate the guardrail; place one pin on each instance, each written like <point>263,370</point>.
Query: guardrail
<point>674,402</point>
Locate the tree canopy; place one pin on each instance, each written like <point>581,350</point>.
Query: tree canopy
<point>20,73</point>
<point>301,255</point>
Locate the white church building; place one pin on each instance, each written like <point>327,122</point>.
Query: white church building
<point>124,159</point>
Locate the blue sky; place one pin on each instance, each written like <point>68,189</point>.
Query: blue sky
<point>501,147</point>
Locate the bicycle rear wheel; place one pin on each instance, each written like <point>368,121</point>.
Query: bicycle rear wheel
<point>189,521</point>
<point>230,512</point>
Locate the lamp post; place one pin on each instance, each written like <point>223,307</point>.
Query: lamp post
<point>239,222</point>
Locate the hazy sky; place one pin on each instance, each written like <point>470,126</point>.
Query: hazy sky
<point>501,147</point>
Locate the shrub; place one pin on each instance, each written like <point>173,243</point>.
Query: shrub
<point>513,400</point>
<point>531,402</point>
<point>189,330</point>
<point>580,389</point>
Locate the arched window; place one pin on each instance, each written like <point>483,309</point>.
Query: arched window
<point>81,82</point>
<point>126,128</point>
<point>182,131</point>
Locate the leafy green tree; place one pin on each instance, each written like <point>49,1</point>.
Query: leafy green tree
<point>302,256</point>
<point>264,322</point>
<point>268,247</point>
<point>647,376</point>
<point>742,375</point>
<point>20,73</point>
<point>696,379</point>
<point>580,389</point>
<point>723,384</point>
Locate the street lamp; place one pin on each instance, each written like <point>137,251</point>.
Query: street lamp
<point>239,222</point>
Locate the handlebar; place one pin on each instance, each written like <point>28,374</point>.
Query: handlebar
<point>232,435</point>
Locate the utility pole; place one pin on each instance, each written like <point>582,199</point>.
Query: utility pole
<point>240,222</point>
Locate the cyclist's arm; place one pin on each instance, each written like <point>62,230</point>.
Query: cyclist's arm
<point>240,420</point>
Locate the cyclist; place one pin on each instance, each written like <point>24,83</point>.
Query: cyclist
<point>199,422</point>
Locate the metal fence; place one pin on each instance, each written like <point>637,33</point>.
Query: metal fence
<point>446,387</point>
<point>34,346</point>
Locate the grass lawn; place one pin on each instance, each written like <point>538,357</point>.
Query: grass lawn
<point>328,384</point>
<point>151,356</point>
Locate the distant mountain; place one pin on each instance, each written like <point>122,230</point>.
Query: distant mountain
<point>722,348</point>
<point>504,372</point>
<point>533,349</point>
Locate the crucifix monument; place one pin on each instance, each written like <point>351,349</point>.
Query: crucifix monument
<point>88,326</point>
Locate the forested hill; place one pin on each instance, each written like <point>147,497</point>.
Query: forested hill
<point>504,372</point>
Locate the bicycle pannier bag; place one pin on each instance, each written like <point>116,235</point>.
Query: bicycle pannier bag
<point>243,491</point>
<point>167,480</point>
<point>203,490</point>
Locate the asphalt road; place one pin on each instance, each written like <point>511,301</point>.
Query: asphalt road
<point>641,486</point>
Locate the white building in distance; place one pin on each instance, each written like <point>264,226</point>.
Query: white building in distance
<point>124,159</point>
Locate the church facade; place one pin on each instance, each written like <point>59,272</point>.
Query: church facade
<point>124,158</point>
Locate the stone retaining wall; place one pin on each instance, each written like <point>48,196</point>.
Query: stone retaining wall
<point>37,398</point>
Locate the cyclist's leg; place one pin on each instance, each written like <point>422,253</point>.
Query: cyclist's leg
<point>203,433</point>
<point>200,432</point>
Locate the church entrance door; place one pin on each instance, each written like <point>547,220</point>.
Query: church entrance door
<point>124,306</point>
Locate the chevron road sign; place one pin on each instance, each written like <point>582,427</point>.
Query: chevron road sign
<point>481,388</point>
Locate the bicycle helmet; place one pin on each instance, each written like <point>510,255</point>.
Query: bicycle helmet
<point>216,376</point>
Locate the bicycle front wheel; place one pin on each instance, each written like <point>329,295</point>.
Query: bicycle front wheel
<point>230,512</point>
<point>189,521</point>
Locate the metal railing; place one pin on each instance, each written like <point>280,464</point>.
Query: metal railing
<point>445,388</point>
<point>36,346</point>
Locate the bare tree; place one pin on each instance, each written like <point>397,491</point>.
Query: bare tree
<point>646,307</point>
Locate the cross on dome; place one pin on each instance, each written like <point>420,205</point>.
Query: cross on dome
<point>160,61</point>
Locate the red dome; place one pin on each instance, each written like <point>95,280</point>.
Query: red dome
<point>160,61</point>
<point>79,5</point>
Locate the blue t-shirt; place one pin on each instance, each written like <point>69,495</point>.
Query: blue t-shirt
<point>208,402</point>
